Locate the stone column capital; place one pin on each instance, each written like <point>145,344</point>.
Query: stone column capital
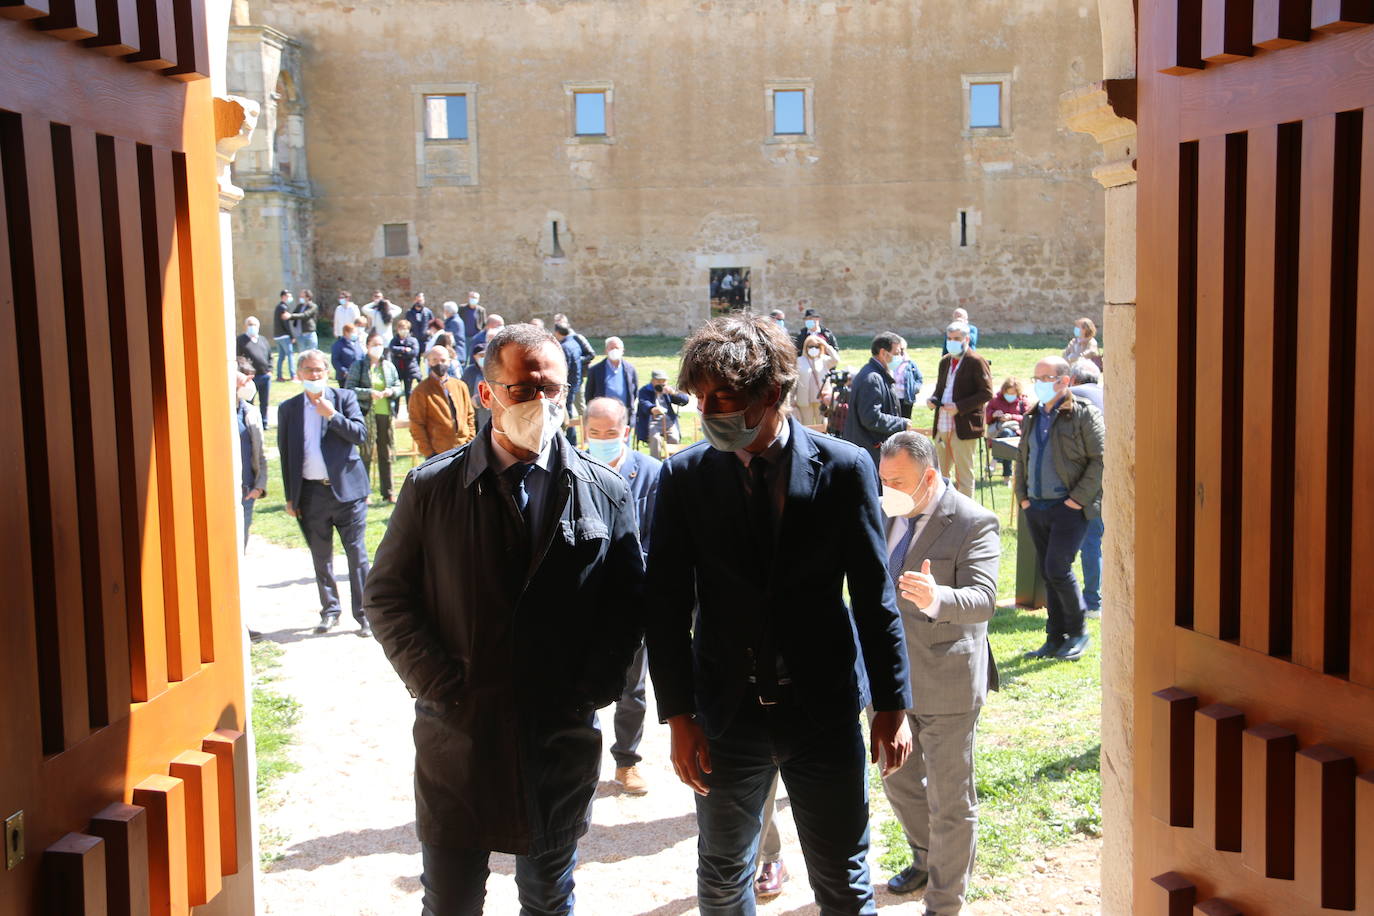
<point>235,118</point>
<point>1107,111</point>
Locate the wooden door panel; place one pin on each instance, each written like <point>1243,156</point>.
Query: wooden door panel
<point>1255,634</point>
<point>125,697</point>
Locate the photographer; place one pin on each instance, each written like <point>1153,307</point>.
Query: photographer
<point>655,418</point>
<point>817,359</point>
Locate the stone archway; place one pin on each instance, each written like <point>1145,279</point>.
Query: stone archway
<point>1107,110</point>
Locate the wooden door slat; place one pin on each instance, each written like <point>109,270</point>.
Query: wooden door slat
<point>1311,431</point>
<point>156,36</point>
<point>108,616</point>
<point>1171,756</point>
<point>74,870</point>
<point>64,601</point>
<point>198,772</point>
<point>168,374</point>
<point>117,34</point>
<point>1173,895</point>
<point>1218,775</point>
<point>1324,860</point>
<point>1182,19</point>
<point>230,748</point>
<point>193,53</point>
<point>1215,907</point>
<point>1207,369</point>
<point>1257,537</point>
<point>164,798</point>
<point>135,421</point>
<point>70,20</point>
<point>1270,754</point>
<point>1227,30</point>
<point>1282,23</point>
<point>24,9</point>
<point>20,714</point>
<point>1362,485</point>
<point>124,828</point>
<point>1341,15</point>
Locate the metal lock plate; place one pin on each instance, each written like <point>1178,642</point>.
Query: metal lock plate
<point>14,840</point>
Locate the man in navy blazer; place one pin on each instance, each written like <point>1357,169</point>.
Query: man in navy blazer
<point>758,663</point>
<point>318,434</point>
<point>608,441</point>
<point>614,377</point>
<point>875,414</point>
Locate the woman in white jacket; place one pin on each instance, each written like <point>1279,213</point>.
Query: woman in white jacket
<point>816,361</point>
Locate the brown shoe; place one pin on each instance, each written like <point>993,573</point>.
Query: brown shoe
<point>631,781</point>
<point>769,882</point>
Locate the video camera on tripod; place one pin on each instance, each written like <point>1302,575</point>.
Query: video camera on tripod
<point>835,408</point>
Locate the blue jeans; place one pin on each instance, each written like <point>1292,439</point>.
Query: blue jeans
<point>264,385</point>
<point>629,713</point>
<point>455,881</point>
<point>284,357</point>
<point>825,770</point>
<point>308,340</point>
<point>1058,533</point>
<point>1091,555</point>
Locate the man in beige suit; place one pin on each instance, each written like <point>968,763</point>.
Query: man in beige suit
<point>943,552</point>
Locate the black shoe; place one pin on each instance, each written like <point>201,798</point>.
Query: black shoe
<point>365,631</point>
<point>1073,648</point>
<point>327,623</point>
<point>909,880</point>
<point>1048,650</point>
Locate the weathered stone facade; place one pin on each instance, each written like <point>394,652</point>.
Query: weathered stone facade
<point>273,225</point>
<point>862,215</point>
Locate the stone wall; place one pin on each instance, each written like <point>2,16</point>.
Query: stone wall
<point>860,217</point>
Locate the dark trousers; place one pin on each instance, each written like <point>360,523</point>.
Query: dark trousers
<point>406,384</point>
<point>1058,533</point>
<point>824,769</point>
<point>320,516</point>
<point>264,385</point>
<point>455,881</point>
<point>1091,557</point>
<point>381,442</point>
<point>247,516</point>
<point>629,713</point>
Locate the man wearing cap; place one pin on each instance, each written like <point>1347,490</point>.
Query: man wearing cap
<point>656,418</point>
<point>811,324</point>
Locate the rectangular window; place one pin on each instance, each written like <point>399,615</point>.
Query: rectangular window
<point>589,114</point>
<point>446,117</point>
<point>985,105</point>
<point>789,111</point>
<point>396,238</point>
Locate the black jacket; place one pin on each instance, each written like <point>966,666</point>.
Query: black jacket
<point>874,413</point>
<point>306,314</point>
<point>703,576</point>
<point>257,352</point>
<point>822,332</point>
<point>509,647</point>
<point>283,324</point>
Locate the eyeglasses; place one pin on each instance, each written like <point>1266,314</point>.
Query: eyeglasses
<point>1046,378</point>
<point>521,392</point>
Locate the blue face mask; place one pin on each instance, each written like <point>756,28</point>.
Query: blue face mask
<point>1077,332</point>
<point>954,347</point>
<point>811,324</point>
<point>727,432</point>
<point>1044,392</point>
<point>1010,396</point>
<point>604,450</point>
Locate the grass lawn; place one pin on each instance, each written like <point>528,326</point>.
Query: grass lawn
<point>274,718</point>
<point>1039,738</point>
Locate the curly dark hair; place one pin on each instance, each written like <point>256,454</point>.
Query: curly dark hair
<point>744,352</point>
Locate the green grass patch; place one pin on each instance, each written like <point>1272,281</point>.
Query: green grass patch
<point>274,717</point>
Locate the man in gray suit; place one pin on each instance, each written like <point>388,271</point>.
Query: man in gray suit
<point>943,552</point>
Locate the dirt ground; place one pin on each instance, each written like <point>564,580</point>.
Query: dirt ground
<point>342,826</point>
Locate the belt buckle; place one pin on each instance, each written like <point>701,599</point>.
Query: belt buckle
<point>325,481</point>
<point>763,702</point>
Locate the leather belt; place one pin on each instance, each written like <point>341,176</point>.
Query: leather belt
<point>323,481</point>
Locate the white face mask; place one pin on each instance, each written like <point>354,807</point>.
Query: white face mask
<point>375,351</point>
<point>246,392</point>
<point>813,352</point>
<point>614,354</point>
<point>897,503</point>
<point>531,425</point>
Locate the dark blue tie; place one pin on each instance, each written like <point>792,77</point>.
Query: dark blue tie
<point>515,476</point>
<point>898,555</point>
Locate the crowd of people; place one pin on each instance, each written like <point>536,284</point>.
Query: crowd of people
<point>524,582</point>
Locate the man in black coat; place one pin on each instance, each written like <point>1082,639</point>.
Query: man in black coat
<point>419,317</point>
<point>252,346</point>
<point>874,411</point>
<point>506,594</point>
<point>811,324</point>
<point>758,663</point>
<point>318,435</point>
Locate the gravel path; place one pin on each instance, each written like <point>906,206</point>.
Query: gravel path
<point>344,824</point>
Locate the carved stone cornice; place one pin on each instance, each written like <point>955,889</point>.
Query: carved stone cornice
<point>235,118</point>
<point>1106,110</point>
